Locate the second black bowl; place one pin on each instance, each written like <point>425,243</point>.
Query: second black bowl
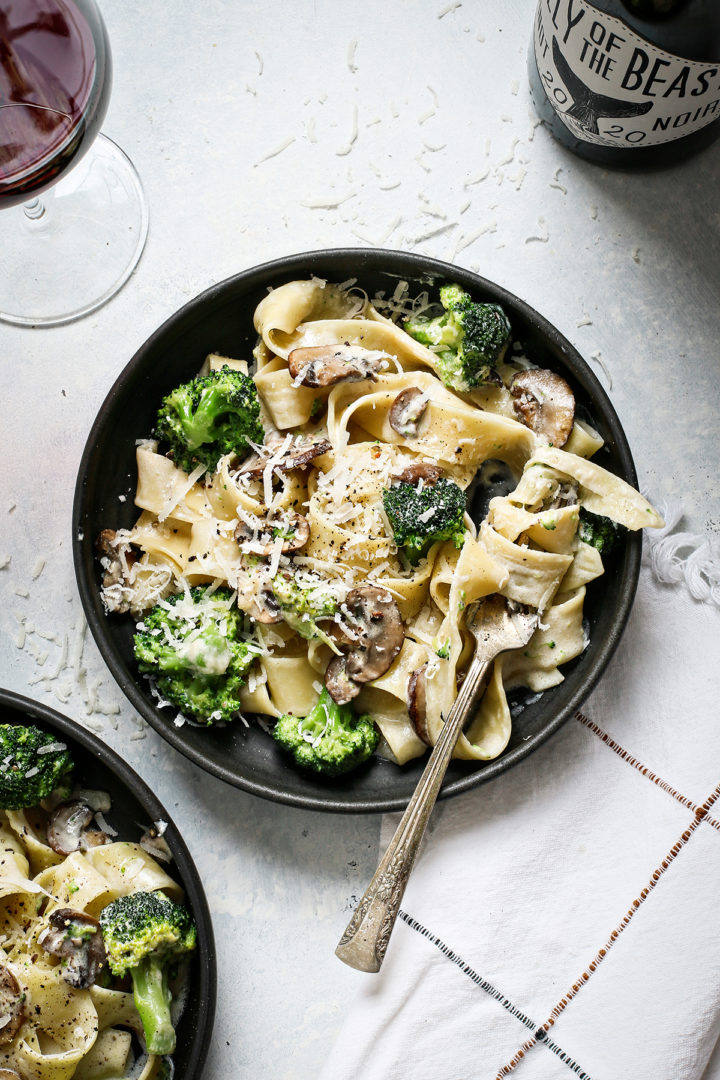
<point>134,807</point>
<point>221,320</point>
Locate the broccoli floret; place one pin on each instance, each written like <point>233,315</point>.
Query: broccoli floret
<point>210,416</point>
<point>195,647</point>
<point>421,518</point>
<point>443,650</point>
<point>303,601</point>
<point>145,934</point>
<point>29,770</point>
<point>600,532</point>
<point>330,740</point>
<point>469,339</point>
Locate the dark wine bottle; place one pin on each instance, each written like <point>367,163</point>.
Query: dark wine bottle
<point>633,84</point>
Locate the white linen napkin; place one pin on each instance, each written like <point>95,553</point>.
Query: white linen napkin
<point>564,919</point>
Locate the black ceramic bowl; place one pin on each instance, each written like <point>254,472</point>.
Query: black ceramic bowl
<point>220,320</point>
<point>133,804</point>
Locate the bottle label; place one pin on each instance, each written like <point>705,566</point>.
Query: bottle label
<point>612,87</point>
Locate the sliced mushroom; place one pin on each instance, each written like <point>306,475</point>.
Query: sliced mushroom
<point>298,455</point>
<point>93,838</point>
<point>295,525</point>
<point>69,829</point>
<point>544,402</point>
<point>417,703</point>
<point>12,1006</point>
<point>264,608</point>
<point>338,683</point>
<point>374,618</point>
<point>76,937</point>
<point>116,559</point>
<point>407,410</point>
<point>300,527</point>
<point>420,470</point>
<point>153,841</point>
<point>66,826</point>
<point>325,365</point>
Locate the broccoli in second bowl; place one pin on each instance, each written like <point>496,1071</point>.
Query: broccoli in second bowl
<point>145,934</point>
<point>32,765</point>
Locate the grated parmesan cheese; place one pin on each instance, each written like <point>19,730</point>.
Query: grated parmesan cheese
<point>274,153</point>
<point>345,150</point>
<point>106,828</point>
<point>179,492</point>
<point>52,748</point>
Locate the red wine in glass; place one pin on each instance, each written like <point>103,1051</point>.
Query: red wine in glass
<point>73,214</point>
<point>55,76</point>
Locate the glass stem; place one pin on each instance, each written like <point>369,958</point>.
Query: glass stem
<point>34,209</point>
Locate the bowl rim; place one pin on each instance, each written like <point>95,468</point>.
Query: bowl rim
<point>299,264</point>
<point>39,712</point>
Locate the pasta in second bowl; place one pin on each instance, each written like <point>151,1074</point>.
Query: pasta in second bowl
<point>73,1020</point>
<point>461,431</point>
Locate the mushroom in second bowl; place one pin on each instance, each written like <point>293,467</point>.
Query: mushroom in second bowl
<point>75,937</point>
<point>70,828</point>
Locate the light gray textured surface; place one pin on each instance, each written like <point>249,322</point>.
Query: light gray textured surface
<point>414,119</point>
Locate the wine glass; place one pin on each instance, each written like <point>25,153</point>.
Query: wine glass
<point>73,217</point>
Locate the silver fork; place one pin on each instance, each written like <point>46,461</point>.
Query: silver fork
<point>497,625</point>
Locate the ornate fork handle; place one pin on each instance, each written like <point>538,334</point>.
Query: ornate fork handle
<point>365,940</point>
